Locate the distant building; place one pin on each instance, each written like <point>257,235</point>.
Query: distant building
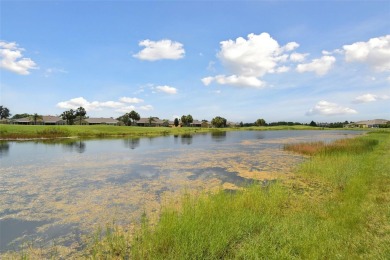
<point>369,123</point>
<point>43,120</point>
<point>101,121</point>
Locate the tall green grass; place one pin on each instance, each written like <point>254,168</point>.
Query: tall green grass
<point>335,207</point>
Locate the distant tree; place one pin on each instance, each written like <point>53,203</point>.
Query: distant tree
<point>35,117</point>
<point>151,120</point>
<point>312,123</point>
<point>80,112</point>
<point>69,116</point>
<point>134,116</point>
<point>125,119</point>
<point>189,119</point>
<point>241,124</point>
<point>218,122</point>
<point>4,112</point>
<point>260,122</point>
<point>184,120</point>
<point>18,116</point>
<point>176,122</point>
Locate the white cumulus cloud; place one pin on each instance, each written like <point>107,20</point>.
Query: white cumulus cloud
<point>146,107</point>
<point>11,58</point>
<point>166,89</point>
<point>370,98</point>
<point>239,81</point>
<point>131,100</point>
<point>159,50</point>
<point>119,106</point>
<point>248,60</point>
<point>298,57</point>
<point>329,109</point>
<point>256,56</point>
<point>375,52</point>
<point>319,66</point>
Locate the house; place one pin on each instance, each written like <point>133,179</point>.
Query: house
<point>154,121</point>
<point>52,120</point>
<point>101,121</point>
<point>42,120</point>
<point>371,123</point>
<point>197,123</point>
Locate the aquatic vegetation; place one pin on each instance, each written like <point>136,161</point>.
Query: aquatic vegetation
<point>334,207</point>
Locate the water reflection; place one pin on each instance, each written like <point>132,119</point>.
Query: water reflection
<point>218,136</point>
<point>131,143</point>
<point>186,139</point>
<point>4,148</point>
<point>77,146</point>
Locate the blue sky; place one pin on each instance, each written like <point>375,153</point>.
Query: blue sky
<point>325,61</point>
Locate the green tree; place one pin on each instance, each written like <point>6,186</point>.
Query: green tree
<point>4,112</point>
<point>260,122</point>
<point>80,112</point>
<point>18,116</point>
<point>134,116</point>
<point>184,120</point>
<point>69,116</point>
<point>151,120</point>
<point>312,123</point>
<point>189,119</point>
<point>125,119</point>
<point>35,117</point>
<point>218,122</point>
<point>176,122</point>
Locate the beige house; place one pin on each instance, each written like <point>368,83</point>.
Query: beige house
<point>42,120</point>
<point>371,123</point>
<point>101,121</point>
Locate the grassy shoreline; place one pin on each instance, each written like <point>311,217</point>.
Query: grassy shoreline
<point>15,132</point>
<point>335,207</point>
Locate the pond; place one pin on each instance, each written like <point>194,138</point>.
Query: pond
<point>59,190</point>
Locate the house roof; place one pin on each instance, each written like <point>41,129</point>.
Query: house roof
<point>22,120</point>
<point>51,119</point>
<point>373,122</point>
<point>101,120</point>
<point>146,121</point>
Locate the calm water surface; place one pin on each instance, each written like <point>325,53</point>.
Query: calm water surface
<point>58,190</point>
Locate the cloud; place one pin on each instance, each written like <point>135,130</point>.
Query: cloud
<point>11,59</point>
<point>146,107</point>
<point>319,66</point>
<point>125,109</point>
<point>159,50</point>
<point>329,109</point>
<point>375,52</point>
<point>369,98</point>
<point>239,81</point>
<point>254,57</point>
<point>167,89</point>
<point>248,60</point>
<point>131,100</point>
<point>298,57</point>
<point>50,71</point>
<point>120,106</point>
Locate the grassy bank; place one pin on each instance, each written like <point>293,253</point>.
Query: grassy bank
<point>39,131</point>
<point>336,207</point>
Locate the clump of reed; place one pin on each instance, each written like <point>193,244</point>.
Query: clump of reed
<point>53,132</point>
<point>339,146</point>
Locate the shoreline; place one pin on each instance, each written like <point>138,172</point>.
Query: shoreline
<point>34,132</point>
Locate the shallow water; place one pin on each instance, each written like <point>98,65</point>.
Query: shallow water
<point>57,190</point>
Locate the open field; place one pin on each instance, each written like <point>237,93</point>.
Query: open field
<point>39,131</point>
